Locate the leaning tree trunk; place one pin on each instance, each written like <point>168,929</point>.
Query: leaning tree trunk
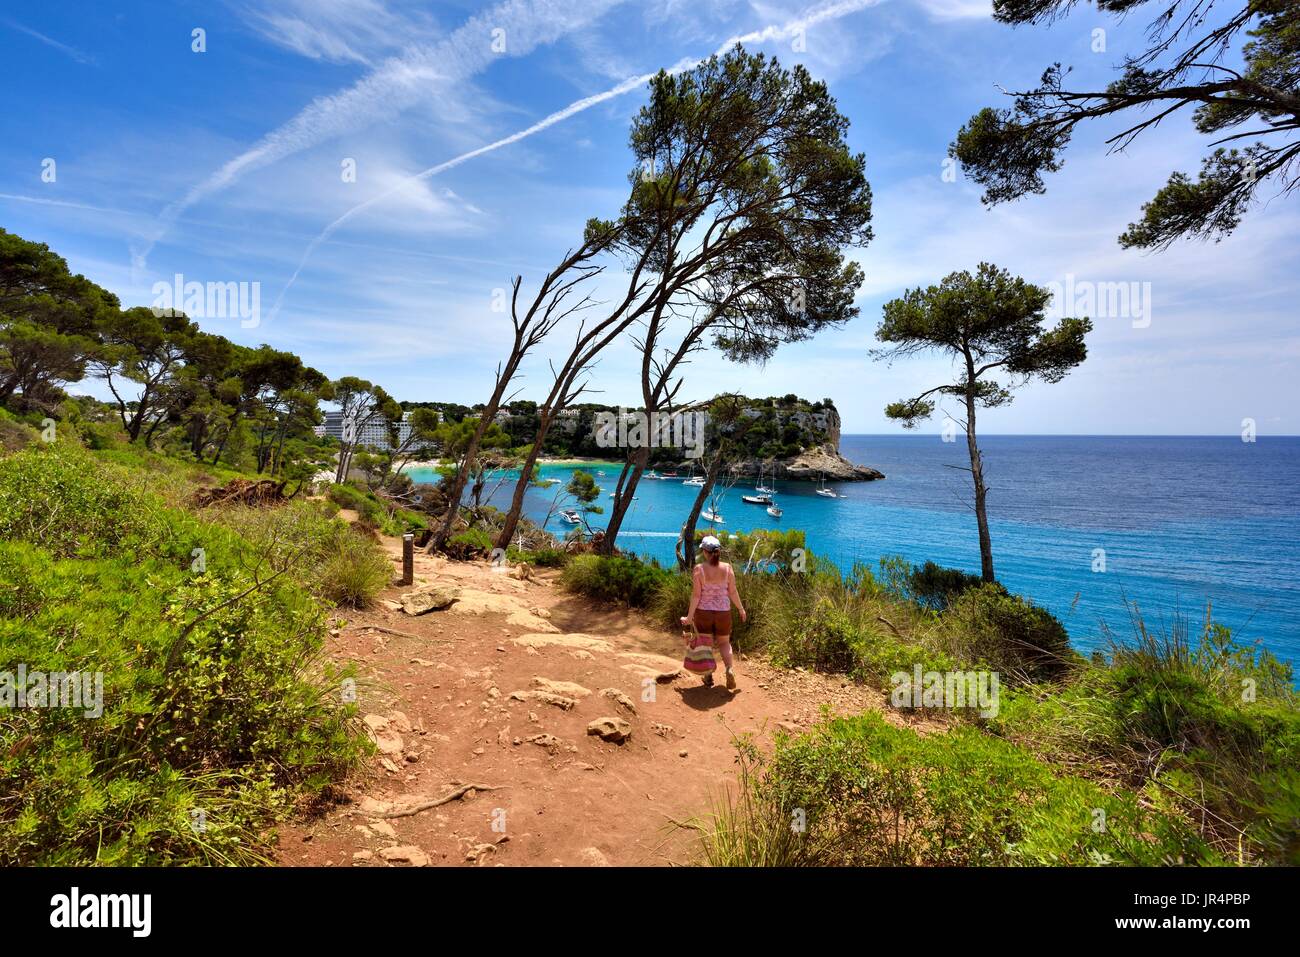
<point>686,556</point>
<point>977,476</point>
<point>521,487</point>
<point>623,500</point>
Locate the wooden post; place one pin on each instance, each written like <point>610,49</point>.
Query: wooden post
<point>408,559</point>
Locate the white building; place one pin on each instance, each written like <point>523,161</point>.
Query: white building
<point>373,433</point>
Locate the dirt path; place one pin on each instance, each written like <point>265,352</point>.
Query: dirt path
<point>499,690</point>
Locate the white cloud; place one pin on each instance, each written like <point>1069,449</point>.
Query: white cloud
<point>958,9</point>
<point>398,83</point>
<point>339,31</point>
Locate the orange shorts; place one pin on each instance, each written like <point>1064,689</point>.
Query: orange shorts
<point>715,623</point>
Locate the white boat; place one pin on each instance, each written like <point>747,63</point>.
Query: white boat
<point>694,482</point>
<point>571,516</point>
<point>762,489</point>
<point>757,499</point>
<point>712,517</point>
<point>826,492</point>
<point>652,475</point>
<point>774,510</point>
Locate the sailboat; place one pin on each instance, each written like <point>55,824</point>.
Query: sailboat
<point>762,489</point>
<point>774,510</point>
<point>710,514</point>
<point>826,492</point>
<point>762,495</point>
<point>695,480</point>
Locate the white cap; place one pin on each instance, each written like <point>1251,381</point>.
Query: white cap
<point>711,543</point>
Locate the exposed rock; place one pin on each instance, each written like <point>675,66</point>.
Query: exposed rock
<point>825,460</point>
<point>619,698</point>
<point>430,598</point>
<point>546,697</point>
<point>566,688</point>
<point>592,857</point>
<point>386,737</point>
<point>405,854</point>
<point>548,741</point>
<point>572,640</point>
<point>522,572</point>
<point>610,729</point>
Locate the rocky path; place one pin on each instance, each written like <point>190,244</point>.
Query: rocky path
<point>521,725</point>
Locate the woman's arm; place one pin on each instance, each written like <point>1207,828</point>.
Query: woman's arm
<point>735,595</point>
<point>695,596</point>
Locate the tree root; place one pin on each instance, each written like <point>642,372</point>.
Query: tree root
<point>452,795</point>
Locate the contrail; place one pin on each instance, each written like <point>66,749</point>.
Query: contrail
<point>395,84</point>
<point>831,11</point>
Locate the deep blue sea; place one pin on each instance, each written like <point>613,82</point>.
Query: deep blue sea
<point>1183,521</point>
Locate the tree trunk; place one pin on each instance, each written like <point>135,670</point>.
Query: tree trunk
<point>687,555</point>
<point>623,500</point>
<point>521,487</point>
<point>977,476</point>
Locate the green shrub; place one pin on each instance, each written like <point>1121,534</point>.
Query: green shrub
<point>935,587</point>
<point>364,504</point>
<point>1009,634</point>
<point>1209,725</point>
<point>62,499</point>
<point>859,791</point>
<point>352,570</point>
<point>220,710</point>
<point>469,544</point>
<point>616,578</point>
<point>539,557</point>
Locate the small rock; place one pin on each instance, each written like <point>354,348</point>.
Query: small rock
<point>682,753</point>
<point>407,854</point>
<point>610,729</point>
<point>431,598</point>
<point>592,857</point>
<point>619,698</point>
<point>386,738</point>
<point>362,855</point>
<point>384,828</point>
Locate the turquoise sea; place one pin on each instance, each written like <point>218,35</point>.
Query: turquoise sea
<point>1182,521</point>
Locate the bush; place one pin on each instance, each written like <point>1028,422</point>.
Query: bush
<point>219,709</point>
<point>1171,713</point>
<point>935,587</point>
<point>469,544</point>
<point>1009,634</point>
<point>539,557</point>
<point>352,570</point>
<point>617,578</point>
<point>860,791</point>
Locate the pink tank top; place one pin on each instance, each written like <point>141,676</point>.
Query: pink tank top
<point>714,596</point>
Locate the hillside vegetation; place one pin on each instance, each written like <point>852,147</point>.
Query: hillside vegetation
<point>1176,747</point>
<point>219,712</point>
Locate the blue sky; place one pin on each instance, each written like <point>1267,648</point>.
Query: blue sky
<point>226,166</point>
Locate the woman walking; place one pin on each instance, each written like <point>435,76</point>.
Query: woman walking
<point>713,592</point>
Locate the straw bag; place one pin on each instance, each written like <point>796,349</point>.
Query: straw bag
<point>699,653</point>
